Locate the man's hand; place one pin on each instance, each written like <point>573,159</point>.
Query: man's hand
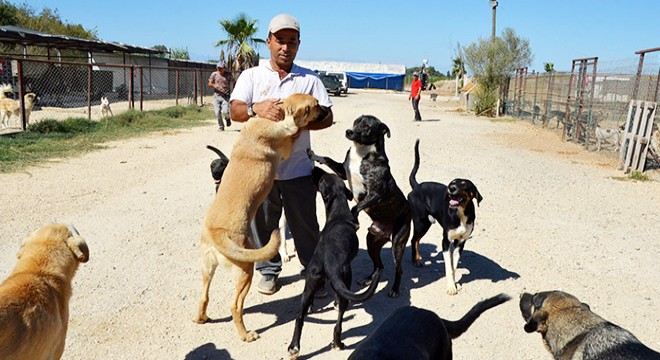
<point>269,109</point>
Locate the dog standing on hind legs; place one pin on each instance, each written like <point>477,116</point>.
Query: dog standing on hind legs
<point>367,170</point>
<point>451,205</point>
<point>218,167</point>
<point>226,235</point>
<point>337,247</point>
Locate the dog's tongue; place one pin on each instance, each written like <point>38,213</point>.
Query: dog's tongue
<point>216,181</point>
<point>453,202</point>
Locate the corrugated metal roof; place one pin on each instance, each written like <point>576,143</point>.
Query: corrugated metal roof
<point>21,36</point>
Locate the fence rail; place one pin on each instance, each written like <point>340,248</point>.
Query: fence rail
<point>73,89</point>
<point>595,93</point>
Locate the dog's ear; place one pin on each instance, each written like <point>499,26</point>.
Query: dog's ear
<point>537,322</point>
<point>77,245</point>
<point>476,195</point>
<point>317,173</point>
<point>384,130</point>
<point>349,194</point>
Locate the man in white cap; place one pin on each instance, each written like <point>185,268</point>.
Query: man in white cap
<point>257,92</point>
<point>220,82</point>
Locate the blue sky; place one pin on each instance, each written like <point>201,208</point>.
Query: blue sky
<point>388,32</point>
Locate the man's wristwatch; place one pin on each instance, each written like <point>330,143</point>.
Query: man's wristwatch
<point>250,111</point>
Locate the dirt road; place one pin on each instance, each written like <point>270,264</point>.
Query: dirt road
<point>553,217</point>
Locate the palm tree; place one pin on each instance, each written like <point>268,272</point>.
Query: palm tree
<point>458,67</point>
<point>458,70</point>
<point>240,43</point>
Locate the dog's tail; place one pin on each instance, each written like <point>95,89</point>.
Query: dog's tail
<point>413,173</point>
<point>456,328</point>
<point>217,151</point>
<point>345,292</point>
<point>5,88</point>
<point>230,249</point>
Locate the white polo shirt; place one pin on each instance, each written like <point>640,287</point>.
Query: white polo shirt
<point>262,82</point>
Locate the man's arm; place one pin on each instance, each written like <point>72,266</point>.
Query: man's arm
<point>267,109</point>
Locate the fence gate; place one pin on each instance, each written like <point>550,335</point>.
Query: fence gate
<point>637,136</point>
<point>578,121</point>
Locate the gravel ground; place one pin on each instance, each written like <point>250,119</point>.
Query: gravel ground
<point>554,216</point>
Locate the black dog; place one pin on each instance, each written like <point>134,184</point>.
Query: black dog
<point>337,247</point>
<point>367,170</point>
<point>450,205</point>
<point>218,165</point>
<point>414,333</point>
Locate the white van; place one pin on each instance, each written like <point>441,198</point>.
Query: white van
<point>343,79</point>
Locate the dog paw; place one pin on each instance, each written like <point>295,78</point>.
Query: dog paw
<point>453,290</point>
<point>337,346</point>
<point>250,336</point>
<point>294,352</point>
<point>201,319</point>
<point>418,263</point>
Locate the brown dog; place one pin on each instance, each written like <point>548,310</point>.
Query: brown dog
<point>34,299</point>
<point>571,331</point>
<point>245,184</point>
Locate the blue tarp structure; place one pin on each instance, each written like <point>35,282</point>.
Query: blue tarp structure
<point>362,80</point>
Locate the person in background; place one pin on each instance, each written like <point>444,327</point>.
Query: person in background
<point>220,81</point>
<point>257,93</point>
<point>416,95</point>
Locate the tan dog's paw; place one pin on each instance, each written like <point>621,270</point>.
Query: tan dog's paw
<point>250,336</point>
<point>201,319</point>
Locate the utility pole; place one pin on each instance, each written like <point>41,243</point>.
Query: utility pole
<point>493,4</point>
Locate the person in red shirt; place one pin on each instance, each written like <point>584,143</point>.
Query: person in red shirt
<point>416,95</point>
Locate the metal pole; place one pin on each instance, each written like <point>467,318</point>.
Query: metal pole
<point>141,87</point>
<point>493,4</point>
<point>176,88</point>
<point>21,91</point>
<point>89,92</point>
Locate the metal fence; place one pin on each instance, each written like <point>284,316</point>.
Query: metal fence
<point>72,89</point>
<point>594,93</point>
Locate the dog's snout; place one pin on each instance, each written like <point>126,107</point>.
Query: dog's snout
<point>349,132</point>
<point>452,187</point>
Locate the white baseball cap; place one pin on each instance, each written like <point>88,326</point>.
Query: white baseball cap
<point>283,21</point>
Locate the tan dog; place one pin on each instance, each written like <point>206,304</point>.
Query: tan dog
<point>11,107</point>
<point>245,184</point>
<point>34,299</point>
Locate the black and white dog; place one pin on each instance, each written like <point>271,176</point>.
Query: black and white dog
<point>337,247</point>
<point>451,205</point>
<point>367,170</point>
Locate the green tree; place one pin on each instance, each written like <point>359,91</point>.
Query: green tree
<point>240,43</point>
<point>458,67</point>
<point>8,13</point>
<point>492,61</point>
<point>160,47</point>
<point>549,67</point>
<point>50,21</point>
<point>180,53</point>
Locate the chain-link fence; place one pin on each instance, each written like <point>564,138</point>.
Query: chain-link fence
<point>597,93</point>
<point>70,89</point>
